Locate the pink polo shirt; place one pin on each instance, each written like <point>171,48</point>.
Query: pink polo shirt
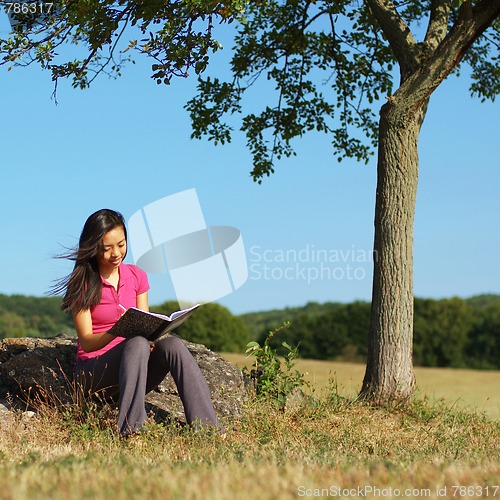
<point>133,282</point>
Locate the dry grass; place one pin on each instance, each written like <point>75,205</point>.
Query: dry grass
<point>476,390</point>
<point>330,445</point>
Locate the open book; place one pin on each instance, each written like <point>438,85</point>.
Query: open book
<point>153,326</point>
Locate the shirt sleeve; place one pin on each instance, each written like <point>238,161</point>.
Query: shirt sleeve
<point>141,279</point>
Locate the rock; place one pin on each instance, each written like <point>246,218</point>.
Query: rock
<point>295,401</point>
<point>33,367</point>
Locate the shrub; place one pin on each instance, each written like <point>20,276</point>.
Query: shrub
<point>273,379</point>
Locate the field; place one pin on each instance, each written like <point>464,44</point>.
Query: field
<point>329,446</point>
<point>469,389</point>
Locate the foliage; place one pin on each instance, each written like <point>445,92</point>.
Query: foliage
<point>447,333</point>
<point>483,342</point>
<point>22,316</point>
<point>326,65</point>
<point>294,45</point>
<point>11,325</point>
<point>213,325</point>
<point>97,36</point>
<point>271,381</point>
<point>262,321</point>
<point>441,330</point>
<point>325,331</point>
<point>328,62</point>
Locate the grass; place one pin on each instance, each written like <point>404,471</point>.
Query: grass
<point>475,390</point>
<point>328,445</point>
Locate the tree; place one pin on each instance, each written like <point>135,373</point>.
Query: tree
<point>11,325</point>
<point>441,330</point>
<point>483,349</point>
<point>213,325</point>
<point>355,48</point>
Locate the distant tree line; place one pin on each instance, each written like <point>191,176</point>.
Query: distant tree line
<point>22,316</point>
<point>453,332</point>
<point>212,325</point>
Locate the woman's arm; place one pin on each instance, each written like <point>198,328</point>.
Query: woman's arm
<point>142,301</point>
<point>89,341</point>
<point>93,341</point>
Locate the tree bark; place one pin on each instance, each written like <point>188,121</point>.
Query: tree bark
<point>389,374</point>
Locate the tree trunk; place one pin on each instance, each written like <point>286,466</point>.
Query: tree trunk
<point>389,373</point>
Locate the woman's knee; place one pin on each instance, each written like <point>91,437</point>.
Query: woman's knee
<point>172,345</point>
<point>138,345</point>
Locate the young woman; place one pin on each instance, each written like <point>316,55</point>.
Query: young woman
<point>96,292</point>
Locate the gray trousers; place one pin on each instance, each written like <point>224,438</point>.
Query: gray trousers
<point>130,370</point>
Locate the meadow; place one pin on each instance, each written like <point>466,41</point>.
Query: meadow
<point>476,390</point>
<point>329,446</point>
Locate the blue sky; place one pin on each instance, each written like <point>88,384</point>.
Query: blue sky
<point>307,230</point>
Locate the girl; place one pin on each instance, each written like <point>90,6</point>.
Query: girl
<point>96,291</point>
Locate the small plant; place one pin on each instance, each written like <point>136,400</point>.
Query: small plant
<point>271,380</point>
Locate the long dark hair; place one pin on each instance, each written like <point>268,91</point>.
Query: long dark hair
<point>83,287</point>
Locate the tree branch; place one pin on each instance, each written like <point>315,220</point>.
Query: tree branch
<point>484,14</point>
<point>463,34</point>
<point>113,48</point>
<point>398,34</point>
<point>449,53</point>
<point>438,23</point>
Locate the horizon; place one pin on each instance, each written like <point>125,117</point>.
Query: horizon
<point>125,143</point>
<point>298,306</point>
